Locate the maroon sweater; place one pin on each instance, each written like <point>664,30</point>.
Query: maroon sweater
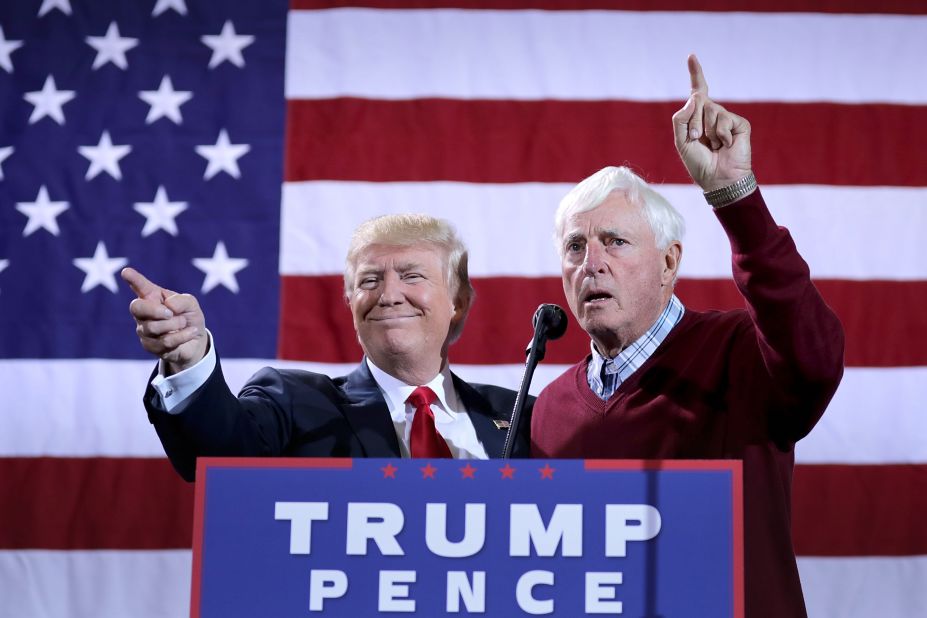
<point>743,384</point>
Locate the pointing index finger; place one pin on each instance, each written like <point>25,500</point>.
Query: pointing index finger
<point>696,77</point>
<point>142,287</point>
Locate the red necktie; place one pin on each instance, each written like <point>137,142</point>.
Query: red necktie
<point>427,443</point>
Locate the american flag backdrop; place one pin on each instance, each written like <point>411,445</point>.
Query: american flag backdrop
<point>228,149</point>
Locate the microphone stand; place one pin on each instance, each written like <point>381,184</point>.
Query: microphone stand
<point>535,351</point>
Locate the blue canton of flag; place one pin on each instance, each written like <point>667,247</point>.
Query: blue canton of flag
<point>146,133</point>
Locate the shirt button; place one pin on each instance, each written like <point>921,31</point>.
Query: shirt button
<point>169,392</point>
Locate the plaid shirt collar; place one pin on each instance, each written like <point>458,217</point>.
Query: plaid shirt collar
<point>605,375</point>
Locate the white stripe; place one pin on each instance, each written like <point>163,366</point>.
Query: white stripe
<point>508,227</point>
<point>876,417</point>
<point>864,587</point>
<point>95,584</point>
<point>95,408</point>
<point>470,54</point>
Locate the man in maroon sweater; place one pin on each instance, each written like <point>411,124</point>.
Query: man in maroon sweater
<point>666,382</point>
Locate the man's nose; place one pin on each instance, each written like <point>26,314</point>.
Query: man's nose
<point>391,291</point>
<point>594,261</point>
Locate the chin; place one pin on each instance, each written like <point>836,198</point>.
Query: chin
<point>396,342</point>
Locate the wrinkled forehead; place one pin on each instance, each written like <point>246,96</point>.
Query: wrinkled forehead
<point>614,215</point>
<point>380,257</point>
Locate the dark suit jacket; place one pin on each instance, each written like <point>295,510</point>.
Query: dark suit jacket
<point>293,413</point>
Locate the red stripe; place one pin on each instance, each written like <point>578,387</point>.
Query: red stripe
<point>606,465</point>
<point>860,510</point>
<point>138,504</point>
<point>565,141</point>
<point>316,325</point>
<point>93,503</point>
<point>904,7</point>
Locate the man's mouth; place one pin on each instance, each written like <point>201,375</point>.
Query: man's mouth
<point>389,318</point>
<point>597,297</point>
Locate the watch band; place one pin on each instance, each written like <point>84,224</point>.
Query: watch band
<point>732,192</point>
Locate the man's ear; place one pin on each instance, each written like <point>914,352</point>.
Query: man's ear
<point>461,306</point>
<point>672,256</point>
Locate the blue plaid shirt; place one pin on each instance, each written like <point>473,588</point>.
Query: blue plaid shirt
<point>605,375</point>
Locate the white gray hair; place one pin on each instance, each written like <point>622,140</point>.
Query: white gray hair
<point>665,221</point>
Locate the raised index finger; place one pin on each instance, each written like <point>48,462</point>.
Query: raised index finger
<point>142,287</point>
<point>696,77</point>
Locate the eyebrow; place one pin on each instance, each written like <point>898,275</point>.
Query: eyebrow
<point>370,269</point>
<point>571,236</point>
<point>597,233</point>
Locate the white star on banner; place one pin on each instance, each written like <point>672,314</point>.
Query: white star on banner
<point>104,157</point>
<point>100,269</point>
<point>42,213</point>
<point>160,213</point>
<point>7,48</point>
<point>163,5</point>
<point>5,153</point>
<point>227,45</point>
<point>48,101</point>
<point>223,156</point>
<point>49,5</point>
<point>220,269</point>
<point>111,47</point>
<point>3,265</point>
<point>165,102</point>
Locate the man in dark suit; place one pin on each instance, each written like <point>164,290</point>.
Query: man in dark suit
<point>409,292</point>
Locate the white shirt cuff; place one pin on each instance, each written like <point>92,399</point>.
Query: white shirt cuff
<point>176,389</point>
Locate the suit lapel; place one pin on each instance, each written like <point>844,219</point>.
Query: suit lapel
<point>368,415</point>
<point>482,415</point>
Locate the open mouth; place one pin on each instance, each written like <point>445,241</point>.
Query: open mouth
<point>597,297</point>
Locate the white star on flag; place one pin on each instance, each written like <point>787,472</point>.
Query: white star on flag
<point>220,269</point>
<point>100,269</point>
<point>42,213</point>
<point>163,5</point>
<point>227,45</point>
<point>223,156</point>
<point>160,213</point>
<point>7,48</point>
<point>48,101</point>
<point>3,265</point>
<point>165,102</point>
<point>49,5</point>
<point>111,47</point>
<point>104,157</point>
<point>5,153</point>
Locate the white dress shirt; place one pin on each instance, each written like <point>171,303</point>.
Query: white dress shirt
<point>451,418</point>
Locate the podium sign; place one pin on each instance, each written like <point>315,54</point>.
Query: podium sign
<point>372,537</point>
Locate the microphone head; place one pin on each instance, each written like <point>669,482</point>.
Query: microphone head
<point>552,318</point>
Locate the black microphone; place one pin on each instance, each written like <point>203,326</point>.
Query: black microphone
<point>550,322</point>
<point>552,319</point>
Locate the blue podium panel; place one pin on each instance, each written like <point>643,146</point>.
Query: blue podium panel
<point>373,537</point>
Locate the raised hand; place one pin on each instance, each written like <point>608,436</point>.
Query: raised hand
<point>714,144</point>
<point>169,325</point>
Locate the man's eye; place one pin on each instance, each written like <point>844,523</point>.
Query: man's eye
<point>368,283</point>
<point>617,242</point>
<point>573,247</point>
<point>412,276</point>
